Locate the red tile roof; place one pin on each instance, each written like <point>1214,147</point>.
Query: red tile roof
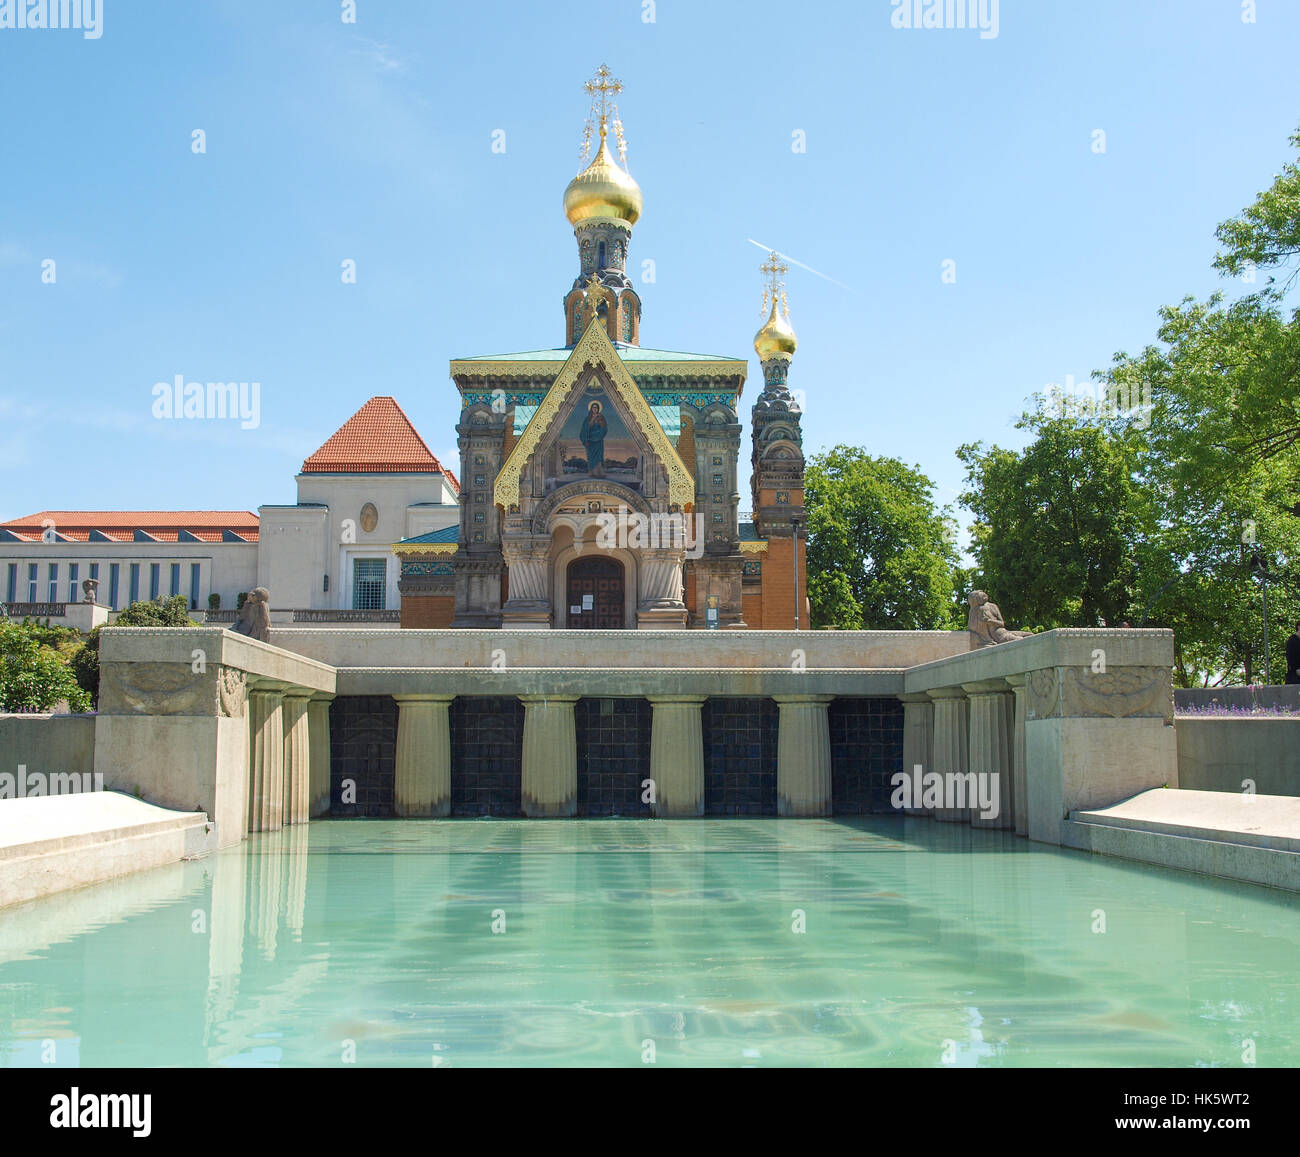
<point>121,525</point>
<point>377,439</point>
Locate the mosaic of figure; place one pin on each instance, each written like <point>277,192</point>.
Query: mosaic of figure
<point>592,436</point>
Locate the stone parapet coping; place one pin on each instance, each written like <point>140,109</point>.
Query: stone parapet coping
<point>264,661</point>
<point>619,682</point>
<point>1065,647</point>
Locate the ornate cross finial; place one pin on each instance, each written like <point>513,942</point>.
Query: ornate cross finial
<point>774,270</point>
<point>603,87</point>
<point>595,292</point>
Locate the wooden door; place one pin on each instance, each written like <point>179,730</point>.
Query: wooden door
<point>594,595</point>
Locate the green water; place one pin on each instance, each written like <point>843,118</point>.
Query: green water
<point>618,940</point>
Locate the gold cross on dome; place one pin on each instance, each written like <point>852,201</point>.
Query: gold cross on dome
<point>603,87</point>
<point>774,270</point>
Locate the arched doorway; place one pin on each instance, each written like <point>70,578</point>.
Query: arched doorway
<point>594,595</point>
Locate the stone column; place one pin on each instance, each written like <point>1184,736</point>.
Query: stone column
<point>1019,771</point>
<point>951,749</point>
<point>992,723</point>
<point>297,756</point>
<point>318,730</point>
<point>423,786</point>
<point>550,771</point>
<point>659,595</point>
<point>918,742</point>
<point>265,759</point>
<point>803,755</point>
<point>527,568</point>
<point>677,755</point>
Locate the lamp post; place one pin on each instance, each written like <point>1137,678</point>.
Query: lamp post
<point>795,521</point>
<point>1260,568</point>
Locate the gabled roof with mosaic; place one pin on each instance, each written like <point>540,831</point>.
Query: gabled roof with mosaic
<point>595,347</point>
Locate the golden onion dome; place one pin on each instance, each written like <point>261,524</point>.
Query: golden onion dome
<point>776,338</point>
<point>602,189</point>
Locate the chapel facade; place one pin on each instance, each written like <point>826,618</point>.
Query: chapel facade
<point>599,478</point>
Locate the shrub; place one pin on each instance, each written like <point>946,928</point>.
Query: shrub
<point>33,675</point>
<point>214,601</point>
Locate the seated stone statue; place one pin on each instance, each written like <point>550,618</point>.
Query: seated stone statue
<point>89,590</point>
<point>986,625</point>
<point>254,618</point>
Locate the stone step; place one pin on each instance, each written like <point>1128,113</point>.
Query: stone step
<point>52,843</point>
<point>1251,838</point>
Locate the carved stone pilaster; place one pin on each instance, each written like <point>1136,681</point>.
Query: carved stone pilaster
<point>721,578</point>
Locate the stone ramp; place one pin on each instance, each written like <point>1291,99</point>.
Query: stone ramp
<point>1238,837</point>
<point>52,843</point>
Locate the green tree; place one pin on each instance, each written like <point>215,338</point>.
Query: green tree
<point>880,555</point>
<point>1057,525</point>
<point>33,675</point>
<point>1223,451</point>
<point>170,612</point>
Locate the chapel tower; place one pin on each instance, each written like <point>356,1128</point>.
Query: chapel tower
<point>602,204</point>
<point>777,460</point>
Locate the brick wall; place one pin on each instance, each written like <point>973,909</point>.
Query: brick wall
<point>778,586</point>
<point>427,612</point>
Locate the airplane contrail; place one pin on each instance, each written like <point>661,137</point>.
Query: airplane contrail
<point>787,257</point>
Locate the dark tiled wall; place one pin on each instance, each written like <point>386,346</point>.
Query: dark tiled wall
<point>613,756</point>
<point>866,749</point>
<point>363,748</point>
<point>487,747</point>
<point>740,757</point>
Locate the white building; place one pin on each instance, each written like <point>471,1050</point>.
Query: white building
<point>327,558</point>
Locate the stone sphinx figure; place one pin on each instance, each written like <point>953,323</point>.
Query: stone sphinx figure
<point>985,622</point>
<point>254,618</point>
<point>89,590</point>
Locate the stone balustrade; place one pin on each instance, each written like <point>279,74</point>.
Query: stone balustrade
<point>1068,720</point>
<point>202,719</point>
<point>208,720</point>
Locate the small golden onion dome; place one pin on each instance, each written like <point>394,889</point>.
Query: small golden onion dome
<point>602,189</point>
<point>776,338</point>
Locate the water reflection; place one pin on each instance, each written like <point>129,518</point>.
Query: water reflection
<point>727,942</point>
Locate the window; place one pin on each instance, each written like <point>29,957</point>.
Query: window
<point>73,568</point>
<point>194,585</point>
<point>113,568</point>
<point>154,569</point>
<point>31,582</point>
<point>135,583</point>
<point>175,588</point>
<point>54,582</point>
<point>368,582</point>
<point>11,595</point>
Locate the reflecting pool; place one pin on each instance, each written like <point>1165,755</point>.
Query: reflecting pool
<point>875,941</point>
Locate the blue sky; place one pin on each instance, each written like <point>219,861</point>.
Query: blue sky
<point>373,142</point>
